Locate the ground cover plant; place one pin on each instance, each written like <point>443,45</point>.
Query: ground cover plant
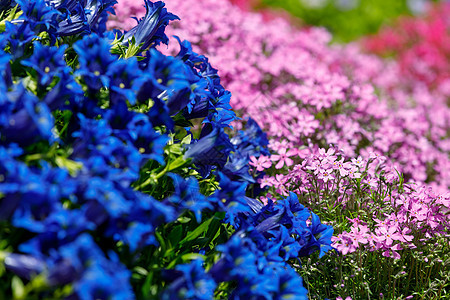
<point>118,176</point>
<point>363,147</point>
<point>420,45</point>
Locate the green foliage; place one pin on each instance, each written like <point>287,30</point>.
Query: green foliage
<point>345,22</point>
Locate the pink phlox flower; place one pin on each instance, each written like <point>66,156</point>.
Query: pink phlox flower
<point>266,181</point>
<point>341,166</point>
<point>343,243</point>
<point>316,166</point>
<point>359,234</point>
<point>327,153</point>
<point>388,234</point>
<point>419,211</point>
<point>261,163</point>
<point>405,237</point>
<point>372,182</point>
<point>326,175</point>
<point>281,185</point>
<point>283,157</point>
<point>353,174</point>
<point>356,221</point>
<point>374,241</point>
<point>358,162</point>
<point>376,155</point>
<point>444,199</point>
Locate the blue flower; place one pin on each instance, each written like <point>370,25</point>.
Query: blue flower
<point>29,121</point>
<point>40,15</point>
<point>18,35</point>
<point>25,266</point>
<point>168,79</point>
<point>237,168</point>
<point>193,283</point>
<point>75,20</point>
<point>251,141</point>
<point>47,61</point>
<point>212,149</point>
<point>283,243</point>
<point>209,99</point>
<point>83,17</point>
<point>61,226</point>
<point>93,276</point>
<point>94,58</point>
<point>187,196</point>
<point>320,237</point>
<point>137,228</point>
<point>138,130</point>
<point>5,72</point>
<point>150,29</point>
<point>231,198</point>
<point>125,80</point>
<point>239,257</point>
<point>67,93</point>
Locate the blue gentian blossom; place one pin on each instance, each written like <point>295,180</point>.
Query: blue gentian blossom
<point>193,283</point>
<point>187,196</point>
<point>18,36</point>
<point>47,61</point>
<point>169,79</point>
<point>92,275</point>
<point>150,29</point>
<point>212,149</point>
<point>83,16</point>
<point>125,80</point>
<point>231,198</point>
<point>25,266</point>
<point>40,15</point>
<point>27,115</point>
<point>94,58</point>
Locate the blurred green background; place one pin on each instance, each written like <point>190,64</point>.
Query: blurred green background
<point>348,19</point>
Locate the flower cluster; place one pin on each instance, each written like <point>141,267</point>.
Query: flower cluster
<point>299,89</point>
<point>421,47</point>
<point>118,179</point>
<point>357,144</point>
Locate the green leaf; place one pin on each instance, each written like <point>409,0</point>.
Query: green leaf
<point>178,163</point>
<point>18,288</point>
<point>198,231</point>
<point>191,256</point>
<point>176,234</point>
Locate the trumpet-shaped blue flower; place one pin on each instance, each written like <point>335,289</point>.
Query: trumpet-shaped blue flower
<point>47,61</point>
<point>187,196</point>
<point>25,266</point>
<point>150,29</point>
<point>212,149</point>
<point>94,58</point>
<point>40,15</point>
<point>27,116</point>
<point>18,36</point>
<point>125,80</point>
<point>193,283</point>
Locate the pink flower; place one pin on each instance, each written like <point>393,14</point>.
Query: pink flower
<point>326,175</point>
<point>341,166</point>
<point>266,181</point>
<point>343,243</point>
<point>261,163</point>
<point>358,162</point>
<point>353,174</point>
<point>283,158</point>
<point>388,234</point>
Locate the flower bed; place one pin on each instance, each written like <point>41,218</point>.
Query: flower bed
<point>358,146</point>
<point>117,178</point>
